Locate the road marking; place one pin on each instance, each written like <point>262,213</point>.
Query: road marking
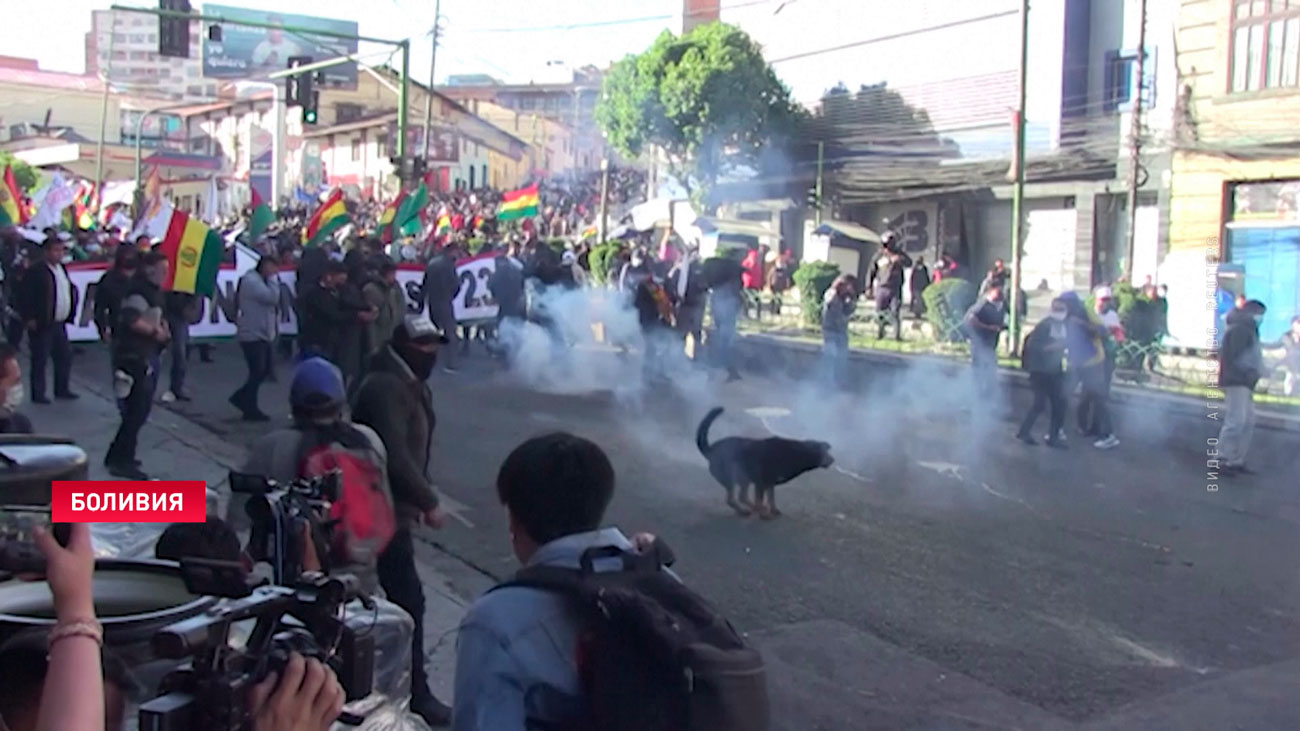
<point>455,509</point>
<point>944,468</point>
<point>767,412</point>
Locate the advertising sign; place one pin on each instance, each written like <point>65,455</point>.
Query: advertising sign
<point>243,51</point>
<point>444,145</point>
<point>217,314</point>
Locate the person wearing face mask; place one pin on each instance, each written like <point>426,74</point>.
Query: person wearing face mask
<point>394,399</point>
<point>1241,364</point>
<point>11,389</point>
<point>1043,357</point>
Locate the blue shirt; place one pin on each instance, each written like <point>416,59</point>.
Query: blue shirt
<point>516,665</point>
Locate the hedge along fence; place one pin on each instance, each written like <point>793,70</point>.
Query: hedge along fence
<point>813,279</point>
<point>946,303</point>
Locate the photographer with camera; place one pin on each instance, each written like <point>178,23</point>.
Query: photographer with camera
<point>322,440</point>
<point>62,682</point>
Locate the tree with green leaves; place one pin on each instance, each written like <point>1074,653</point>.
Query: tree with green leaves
<point>708,99</point>
<point>25,175</point>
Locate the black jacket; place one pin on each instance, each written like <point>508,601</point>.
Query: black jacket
<point>110,290</point>
<point>1241,361</point>
<point>36,296</point>
<point>324,317</point>
<point>507,287</point>
<point>697,288</point>
<point>1044,350</point>
<point>182,306</point>
<point>399,407</point>
<point>888,273</point>
<point>441,282</point>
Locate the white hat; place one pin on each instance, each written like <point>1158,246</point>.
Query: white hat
<point>1103,293</point>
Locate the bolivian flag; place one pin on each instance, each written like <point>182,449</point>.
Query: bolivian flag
<point>194,254</point>
<point>443,225</point>
<point>330,217</point>
<point>12,210</point>
<point>388,216</point>
<point>260,219</point>
<point>520,203</point>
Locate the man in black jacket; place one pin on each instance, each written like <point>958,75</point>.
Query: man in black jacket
<point>112,287</point>
<point>886,282</point>
<point>326,317</point>
<point>441,285</point>
<point>1241,363</point>
<point>48,304</point>
<point>689,291</point>
<point>394,399</point>
<point>140,333</point>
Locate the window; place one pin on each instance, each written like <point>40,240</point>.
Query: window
<point>381,144</point>
<point>1121,78</point>
<point>1265,44</point>
<point>527,102</point>
<point>356,149</point>
<point>347,113</point>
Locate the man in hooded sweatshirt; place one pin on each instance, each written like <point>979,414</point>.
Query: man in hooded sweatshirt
<point>1241,363</point>
<point>1043,357</point>
<point>394,399</point>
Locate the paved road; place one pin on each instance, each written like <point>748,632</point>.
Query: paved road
<point>941,575</point>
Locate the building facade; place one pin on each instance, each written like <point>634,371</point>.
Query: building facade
<point>1236,167</point>
<point>551,151</point>
<point>124,45</point>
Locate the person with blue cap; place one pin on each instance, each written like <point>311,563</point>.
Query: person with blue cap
<point>318,401</point>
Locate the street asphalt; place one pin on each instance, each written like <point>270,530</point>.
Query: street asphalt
<point>940,575</point>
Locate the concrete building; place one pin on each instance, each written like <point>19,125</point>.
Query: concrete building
<point>1236,168</point>
<point>357,132</point>
<point>918,121</point>
<point>570,103</point>
<point>550,153</point>
<point>699,12</point>
<point>125,45</point>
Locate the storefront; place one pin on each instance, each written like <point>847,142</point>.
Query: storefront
<point>1263,238</point>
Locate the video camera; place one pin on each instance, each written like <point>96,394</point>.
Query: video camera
<point>280,515</point>
<point>210,693</point>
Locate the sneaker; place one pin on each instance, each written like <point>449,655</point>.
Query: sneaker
<point>167,397</point>
<point>1027,439</point>
<point>126,471</point>
<point>1108,442</point>
<point>1056,442</point>
<point>181,396</point>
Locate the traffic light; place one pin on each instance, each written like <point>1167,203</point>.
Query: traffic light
<point>309,111</point>
<point>174,33</point>
<point>813,201</point>
<point>300,89</point>
<point>419,166</point>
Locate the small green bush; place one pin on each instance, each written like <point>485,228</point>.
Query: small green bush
<point>946,304</point>
<point>813,278</point>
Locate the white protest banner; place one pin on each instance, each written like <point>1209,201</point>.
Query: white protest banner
<point>216,317</point>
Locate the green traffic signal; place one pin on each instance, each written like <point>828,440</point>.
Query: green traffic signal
<point>309,116</point>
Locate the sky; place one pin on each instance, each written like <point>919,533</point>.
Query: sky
<point>514,40</point>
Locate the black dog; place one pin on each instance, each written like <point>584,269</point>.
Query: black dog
<point>740,462</point>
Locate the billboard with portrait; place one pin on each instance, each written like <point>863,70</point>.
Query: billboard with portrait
<point>246,52</point>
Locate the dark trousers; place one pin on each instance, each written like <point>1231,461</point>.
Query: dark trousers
<point>1094,409</point>
<point>724,330</point>
<point>984,361</point>
<point>179,351</point>
<point>401,582</point>
<point>835,358</point>
<point>50,343</point>
<point>443,315</point>
<point>1049,388</point>
<point>889,310</point>
<point>135,412</point>
<point>257,356</point>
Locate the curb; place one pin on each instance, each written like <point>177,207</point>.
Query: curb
<point>1126,396</point>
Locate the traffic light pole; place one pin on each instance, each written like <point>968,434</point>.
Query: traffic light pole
<point>1018,192</point>
<point>817,212</point>
<point>103,113</point>
<point>404,46</point>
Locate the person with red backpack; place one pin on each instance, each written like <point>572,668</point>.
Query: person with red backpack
<point>394,399</point>
<point>323,440</point>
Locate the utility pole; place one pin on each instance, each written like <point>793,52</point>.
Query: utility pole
<point>103,111</point>
<point>604,198</point>
<point>428,103</point>
<point>1018,192</point>
<point>1135,142</point>
<point>821,152</point>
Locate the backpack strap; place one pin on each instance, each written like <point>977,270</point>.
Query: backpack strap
<point>574,582</point>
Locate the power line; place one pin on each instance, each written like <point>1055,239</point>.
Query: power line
<point>896,36</point>
<point>617,21</point>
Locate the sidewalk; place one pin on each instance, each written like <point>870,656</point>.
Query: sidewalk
<point>174,448</point>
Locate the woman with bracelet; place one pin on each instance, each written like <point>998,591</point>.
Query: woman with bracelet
<point>76,639</point>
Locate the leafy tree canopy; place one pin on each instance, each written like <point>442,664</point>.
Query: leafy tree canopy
<point>708,99</point>
<point>25,175</point>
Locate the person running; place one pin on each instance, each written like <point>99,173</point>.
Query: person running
<point>1043,356</point>
<point>257,322</point>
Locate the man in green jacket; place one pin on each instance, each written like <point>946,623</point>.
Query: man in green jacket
<point>385,296</point>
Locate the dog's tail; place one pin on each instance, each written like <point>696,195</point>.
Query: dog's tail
<point>702,433</point>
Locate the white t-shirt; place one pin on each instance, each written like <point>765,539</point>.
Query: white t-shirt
<point>62,293</point>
